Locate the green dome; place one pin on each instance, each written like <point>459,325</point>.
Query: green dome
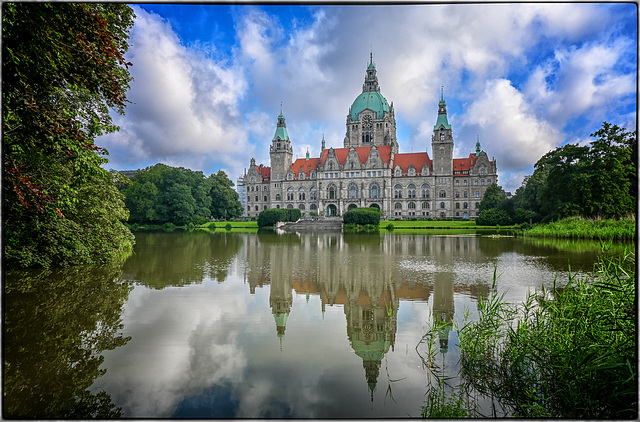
<point>371,100</point>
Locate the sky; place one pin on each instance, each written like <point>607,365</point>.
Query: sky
<point>522,78</point>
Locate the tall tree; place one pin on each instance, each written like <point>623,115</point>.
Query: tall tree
<point>63,70</point>
<point>225,203</point>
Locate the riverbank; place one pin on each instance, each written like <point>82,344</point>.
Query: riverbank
<point>581,228</point>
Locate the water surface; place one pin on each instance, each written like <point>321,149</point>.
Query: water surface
<point>260,325</point>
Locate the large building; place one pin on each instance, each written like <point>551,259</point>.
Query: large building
<point>369,171</point>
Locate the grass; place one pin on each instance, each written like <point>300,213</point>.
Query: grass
<point>569,352</point>
<point>581,228</point>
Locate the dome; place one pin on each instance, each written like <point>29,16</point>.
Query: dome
<point>371,100</point>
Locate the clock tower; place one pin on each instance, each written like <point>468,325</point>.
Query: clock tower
<point>442,142</point>
<point>281,152</point>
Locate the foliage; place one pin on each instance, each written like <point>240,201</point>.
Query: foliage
<point>362,216</point>
<point>57,324</point>
<point>63,70</point>
<point>271,216</point>
<point>493,217</point>
<point>570,352</point>
<point>598,180</point>
<point>578,227</point>
<point>161,194</point>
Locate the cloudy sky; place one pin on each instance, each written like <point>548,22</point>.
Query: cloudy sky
<point>523,78</point>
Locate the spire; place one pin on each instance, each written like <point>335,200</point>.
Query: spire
<point>478,146</point>
<point>307,157</point>
<point>371,79</point>
<point>442,112</point>
<point>281,128</point>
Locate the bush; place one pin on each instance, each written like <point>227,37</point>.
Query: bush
<point>228,226</point>
<point>272,216</point>
<point>168,226</point>
<point>362,216</point>
<point>390,226</point>
<point>493,217</point>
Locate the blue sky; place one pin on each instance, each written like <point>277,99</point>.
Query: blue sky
<point>523,78</point>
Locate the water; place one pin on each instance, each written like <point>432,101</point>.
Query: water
<point>258,325</point>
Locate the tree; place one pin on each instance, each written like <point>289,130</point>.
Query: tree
<point>63,70</point>
<point>493,197</point>
<point>225,202</point>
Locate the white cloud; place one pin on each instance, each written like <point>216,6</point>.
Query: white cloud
<point>185,105</point>
<point>516,136</point>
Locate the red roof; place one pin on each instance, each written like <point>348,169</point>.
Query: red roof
<point>363,154</point>
<point>418,159</point>
<point>461,166</point>
<point>304,165</point>
<point>265,173</point>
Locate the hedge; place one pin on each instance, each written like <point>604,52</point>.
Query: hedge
<point>362,216</point>
<point>272,216</point>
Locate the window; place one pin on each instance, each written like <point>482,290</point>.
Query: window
<point>278,197</point>
<point>457,205</point>
<point>442,205</point>
<point>443,194</point>
<point>256,208</point>
<point>265,198</point>
<point>374,190</point>
<point>477,205</point>
<point>477,194</point>
<point>425,205</point>
<point>289,206</point>
<point>332,192</point>
<point>352,192</point>
<point>465,194</point>
<point>412,170</point>
<point>248,189</point>
<point>313,206</point>
<point>264,208</point>
<point>411,191</point>
<point>465,205</point>
<point>397,191</point>
<point>475,182</point>
<point>425,190</point>
<point>290,194</point>
<point>397,206</point>
<point>398,171</point>
<point>457,182</point>
<point>466,182</point>
<point>257,198</point>
<point>457,194</point>
<point>301,175</point>
<point>412,205</point>
<point>482,182</point>
<point>313,195</point>
<point>301,207</point>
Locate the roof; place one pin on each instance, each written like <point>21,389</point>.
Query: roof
<point>363,153</point>
<point>371,100</point>
<point>461,166</point>
<point>418,159</point>
<point>265,173</point>
<point>281,132</point>
<point>304,165</point>
<point>442,121</point>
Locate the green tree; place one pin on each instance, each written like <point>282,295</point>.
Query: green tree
<point>225,202</point>
<point>63,71</point>
<point>180,204</point>
<point>493,197</point>
<point>142,200</point>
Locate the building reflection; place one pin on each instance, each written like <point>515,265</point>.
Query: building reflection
<point>367,275</point>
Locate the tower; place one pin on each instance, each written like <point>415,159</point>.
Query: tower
<point>280,152</point>
<point>371,120</point>
<point>442,141</point>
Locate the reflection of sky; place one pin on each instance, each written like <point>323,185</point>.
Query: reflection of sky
<point>211,349</point>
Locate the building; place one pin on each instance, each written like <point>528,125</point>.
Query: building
<point>242,193</point>
<point>369,171</point>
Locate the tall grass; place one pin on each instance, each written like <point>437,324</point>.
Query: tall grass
<point>578,227</point>
<point>569,352</point>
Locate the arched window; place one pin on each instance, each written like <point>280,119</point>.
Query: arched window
<point>248,189</point>
<point>352,192</point>
<point>301,175</point>
<point>397,206</point>
<point>256,208</point>
<point>443,194</point>
<point>466,182</point>
<point>477,194</point>
<point>397,191</point>
<point>475,182</point>
<point>265,198</point>
<point>457,194</point>
<point>412,170</point>
<point>442,205</point>
<point>374,191</point>
<point>482,182</point>
<point>477,205</point>
<point>301,194</point>
<point>264,208</point>
<point>278,197</point>
<point>457,205</point>
<point>465,194</point>
<point>313,194</point>
<point>465,205</point>
<point>289,206</point>
<point>425,205</point>
<point>398,171</point>
<point>332,192</point>
<point>457,182</point>
<point>412,205</point>
<point>411,192</point>
<point>425,190</point>
<point>313,207</point>
<point>290,194</point>
<point>301,207</point>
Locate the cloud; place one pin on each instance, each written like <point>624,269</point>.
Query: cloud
<point>518,138</point>
<point>185,105</point>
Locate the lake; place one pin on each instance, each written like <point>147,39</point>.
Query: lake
<point>253,325</point>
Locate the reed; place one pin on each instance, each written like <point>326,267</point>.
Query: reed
<point>569,352</point>
<point>582,228</point>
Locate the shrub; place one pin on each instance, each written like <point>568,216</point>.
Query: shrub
<point>228,226</point>
<point>271,216</point>
<point>362,216</point>
<point>493,217</point>
<point>390,226</point>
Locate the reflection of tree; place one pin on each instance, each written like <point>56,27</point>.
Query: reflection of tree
<point>177,259</point>
<point>57,324</point>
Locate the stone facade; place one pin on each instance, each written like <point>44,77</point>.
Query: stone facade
<point>370,172</point>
